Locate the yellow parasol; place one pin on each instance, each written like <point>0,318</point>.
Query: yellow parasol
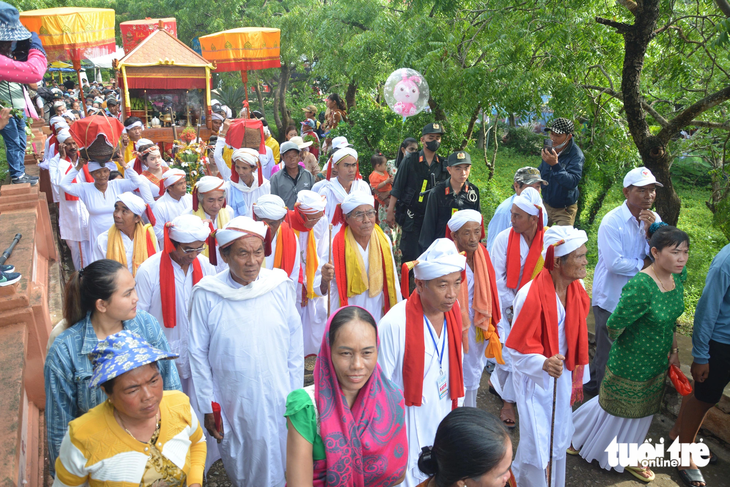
<point>73,33</point>
<point>243,49</point>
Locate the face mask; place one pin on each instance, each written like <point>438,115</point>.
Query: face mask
<point>558,147</point>
<point>433,145</point>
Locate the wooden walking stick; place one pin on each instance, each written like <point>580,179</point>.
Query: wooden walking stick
<point>552,433</point>
<point>329,297</point>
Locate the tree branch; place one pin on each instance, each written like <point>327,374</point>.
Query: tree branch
<point>620,27</point>
<point>687,115</point>
<point>352,23</point>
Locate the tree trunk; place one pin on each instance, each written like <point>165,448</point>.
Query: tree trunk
<point>653,150</point>
<point>470,127</point>
<point>281,114</point>
<point>350,95</point>
<point>260,97</point>
<point>438,113</point>
<point>512,121</point>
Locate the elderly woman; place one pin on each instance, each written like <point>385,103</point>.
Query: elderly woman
<point>644,346</point>
<point>129,240</point>
<point>148,437</point>
<point>468,430</point>
<point>99,301</point>
<point>349,427</point>
<point>365,272</point>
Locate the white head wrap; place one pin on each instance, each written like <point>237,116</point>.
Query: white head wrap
<point>188,228</point>
<point>59,123</point>
<point>206,184</point>
<point>63,135</point>
<point>311,202</point>
<point>355,199</point>
<point>528,201</point>
<point>567,239</point>
<point>460,218</point>
<point>267,132</point>
<point>439,259</point>
<point>58,103</point>
<point>142,142</point>
<point>249,156</point>
<point>135,204</point>
<point>270,206</point>
<point>172,176</point>
<point>95,166</point>
<point>340,154</point>
<point>241,226</point>
<point>133,125</point>
<point>217,116</point>
<point>340,142</point>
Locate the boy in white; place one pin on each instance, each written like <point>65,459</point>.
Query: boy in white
<point>175,202</point>
<point>429,369</point>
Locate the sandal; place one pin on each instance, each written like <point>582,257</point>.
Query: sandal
<point>642,473</point>
<point>691,475</point>
<point>572,451</point>
<point>504,416</point>
<point>713,457</point>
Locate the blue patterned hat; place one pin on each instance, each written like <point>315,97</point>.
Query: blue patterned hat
<point>120,353</point>
<point>10,27</point>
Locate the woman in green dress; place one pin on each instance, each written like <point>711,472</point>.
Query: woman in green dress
<point>644,345</point>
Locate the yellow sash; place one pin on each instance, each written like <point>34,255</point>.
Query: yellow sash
<point>115,245</point>
<point>227,157</point>
<point>359,281</point>
<point>221,220</point>
<point>311,264</point>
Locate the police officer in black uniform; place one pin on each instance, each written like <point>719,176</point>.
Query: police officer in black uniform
<point>448,197</point>
<point>418,173</point>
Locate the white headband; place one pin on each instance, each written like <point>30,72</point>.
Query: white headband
<point>95,166</point>
<point>188,228</point>
<point>341,153</point>
<point>239,227</point>
<point>568,239</point>
<point>249,156</point>
<point>135,204</point>
<point>172,176</point>
<point>270,206</point>
<point>355,199</point>
<point>311,202</point>
<point>528,201</point>
<point>441,258</point>
<point>462,217</point>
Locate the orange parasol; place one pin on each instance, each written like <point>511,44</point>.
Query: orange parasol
<point>243,49</point>
<point>73,33</point>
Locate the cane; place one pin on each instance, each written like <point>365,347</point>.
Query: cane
<point>9,250</point>
<point>329,258</point>
<point>552,433</point>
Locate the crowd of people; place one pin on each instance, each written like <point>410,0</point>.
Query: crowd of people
<point>191,311</point>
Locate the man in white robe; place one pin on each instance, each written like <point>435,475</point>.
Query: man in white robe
<point>246,182</point>
<point>307,220</point>
<point>73,218</point>
<point>526,231</point>
<point>359,243</point>
<point>271,210</point>
<point>245,348</point>
<point>175,202</point>
<point>429,372</point>
<point>549,346</point>
<point>173,273</point>
<point>209,204</point>
<point>346,182</point>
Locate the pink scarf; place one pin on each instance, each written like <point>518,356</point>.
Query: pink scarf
<point>365,445</point>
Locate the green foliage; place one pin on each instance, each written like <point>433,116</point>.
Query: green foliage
<point>692,170</point>
<point>231,96</point>
<point>524,140</point>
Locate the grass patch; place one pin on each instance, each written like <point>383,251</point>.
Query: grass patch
<point>695,219</point>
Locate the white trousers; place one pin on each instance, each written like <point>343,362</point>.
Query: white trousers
<point>528,475</point>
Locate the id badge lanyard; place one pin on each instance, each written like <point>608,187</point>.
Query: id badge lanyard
<point>441,384</point>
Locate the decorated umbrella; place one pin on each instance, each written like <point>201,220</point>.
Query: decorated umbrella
<point>243,49</point>
<point>73,33</point>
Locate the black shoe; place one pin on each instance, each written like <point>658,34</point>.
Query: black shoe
<point>8,278</point>
<point>25,179</point>
<point>7,268</point>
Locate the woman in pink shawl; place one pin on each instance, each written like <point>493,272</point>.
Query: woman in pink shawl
<point>348,428</point>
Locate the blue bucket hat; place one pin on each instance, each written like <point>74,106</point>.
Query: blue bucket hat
<point>10,27</point>
<point>120,353</point>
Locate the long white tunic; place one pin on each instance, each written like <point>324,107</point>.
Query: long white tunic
<point>245,348</point>
<point>314,314</point>
<point>422,421</point>
<point>99,205</point>
<point>374,304</point>
<point>503,382</point>
<point>73,218</point>
<point>269,260</point>
<point>221,266</point>
<point>239,195</point>
<point>534,393</point>
<point>167,209</point>
<point>475,360</point>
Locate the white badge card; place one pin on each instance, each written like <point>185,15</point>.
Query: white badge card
<point>442,386</point>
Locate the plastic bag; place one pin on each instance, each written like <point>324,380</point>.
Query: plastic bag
<point>680,381</point>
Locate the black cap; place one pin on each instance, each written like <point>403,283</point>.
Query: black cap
<point>112,101</point>
<point>458,158</point>
<point>433,128</point>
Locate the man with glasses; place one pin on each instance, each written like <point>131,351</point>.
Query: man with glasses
<point>365,273</point>
<point>562,168</point>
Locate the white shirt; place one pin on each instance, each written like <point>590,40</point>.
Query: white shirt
<point>102,242</point>
<point>167,209</point>
<point>622,247</point>
<point>421,421</point>
<point>150,300</point>
<point>73,218</point>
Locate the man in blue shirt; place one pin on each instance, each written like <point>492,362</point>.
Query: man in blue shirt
<point>711,352</point>
<point>562,167</point>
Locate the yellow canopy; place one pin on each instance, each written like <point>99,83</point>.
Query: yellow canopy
<point>243,49</point>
